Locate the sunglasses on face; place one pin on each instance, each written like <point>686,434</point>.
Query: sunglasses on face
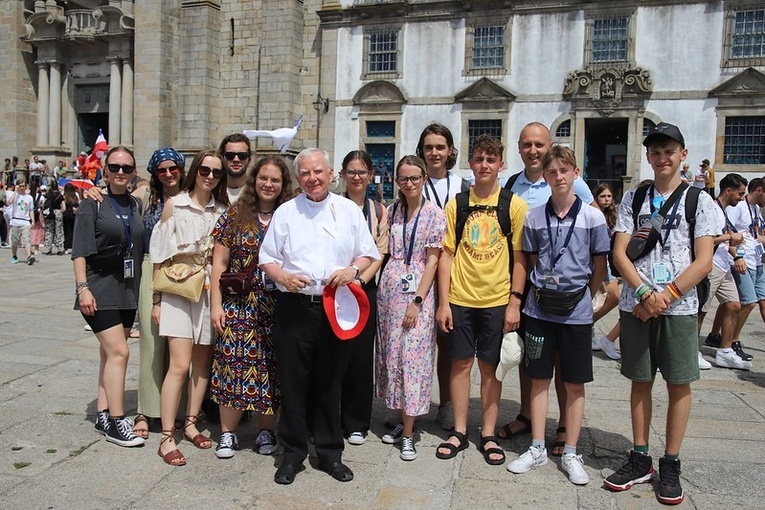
<point>126,169</point>
<point>204,171</point>
<point>241,155</point>
<point>414,179</point>
<point>172,170</point>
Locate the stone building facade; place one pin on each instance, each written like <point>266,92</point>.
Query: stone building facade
<point>373,73</point>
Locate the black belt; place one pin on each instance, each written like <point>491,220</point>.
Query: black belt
<point>315,299</point>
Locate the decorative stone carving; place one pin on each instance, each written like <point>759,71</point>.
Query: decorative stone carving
<point>747,88</point>
<point>485,94</point>
<point>607,89</point>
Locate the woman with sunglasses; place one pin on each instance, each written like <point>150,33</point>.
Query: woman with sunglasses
<point>406,331</point>
<point>244,373</point>
<point>107,251</point>
<point>183,235</point>
<point>166,170</point>
<point>358,384</point>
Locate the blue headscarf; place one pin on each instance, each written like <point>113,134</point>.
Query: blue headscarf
<point>165,154</point>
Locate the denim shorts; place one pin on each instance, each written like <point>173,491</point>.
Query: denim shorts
<point>751,286</point>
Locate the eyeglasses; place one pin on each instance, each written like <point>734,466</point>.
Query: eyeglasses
<point>414,179</point>
<point>362,174</point>
<point>241,155</point>
<point>126,169</point>
<point>204,171</point>
<point>172,170</point>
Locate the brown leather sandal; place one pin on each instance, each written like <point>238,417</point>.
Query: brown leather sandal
<point>201,441</point>
<point>139,418</point>
<point>173,457</point>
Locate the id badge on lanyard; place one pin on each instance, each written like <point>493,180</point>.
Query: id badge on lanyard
<point>409,280</point>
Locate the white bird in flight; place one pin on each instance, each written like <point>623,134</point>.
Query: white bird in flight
<point>281,136</point>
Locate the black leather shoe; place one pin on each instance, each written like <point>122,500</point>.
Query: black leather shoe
<point>285,475</point>
<point>338,471</point>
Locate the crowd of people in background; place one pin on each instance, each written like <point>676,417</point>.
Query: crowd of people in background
<point>445,272</point>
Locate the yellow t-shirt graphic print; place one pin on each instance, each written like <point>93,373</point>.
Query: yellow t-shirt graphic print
<point>480,276</point>
<point>484,239</point>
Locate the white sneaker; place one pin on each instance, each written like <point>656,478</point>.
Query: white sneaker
<point>531,459</point>
<point>595,344</point>
<point>703,364</point>
<point>445,416</point>
<point>408,451</point>
<point>395,435</point>
<point>88,328</point>
<point>608,347</point>
<point>227,445</point>
<point>731,359</point>
<point>574,466</point>
<point>357,438</point>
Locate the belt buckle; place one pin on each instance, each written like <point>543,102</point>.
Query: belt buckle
<point>315,298</point>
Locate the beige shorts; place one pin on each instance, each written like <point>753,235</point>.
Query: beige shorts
<point>722,286</point>
<point>180,318</point>
<point>20,236</point>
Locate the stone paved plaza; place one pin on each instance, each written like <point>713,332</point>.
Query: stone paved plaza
<point>51,458</point>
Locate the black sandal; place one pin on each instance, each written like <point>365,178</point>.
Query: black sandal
<point>558,443</point>
<point>509,434</point>
<point>488,452</point>
<point>453,450</point>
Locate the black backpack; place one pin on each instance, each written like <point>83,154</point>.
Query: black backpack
<point>691,205</point>
<point>503,212</point>
<point>511,181</point>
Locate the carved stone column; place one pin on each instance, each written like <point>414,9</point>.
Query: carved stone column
<point>54,120</point>
<point>115,103</point>
<point>127,103</point>
<point>43,98</point>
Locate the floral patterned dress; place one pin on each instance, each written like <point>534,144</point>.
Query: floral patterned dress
<point>244,370</point>
<point>404,358</point>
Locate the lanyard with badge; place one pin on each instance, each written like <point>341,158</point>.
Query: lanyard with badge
<point>754,229</point>
<point>409,280</point>
<point>435,193</point>
<point>660,271</point>
<point>128,268</point>
<point>365,210</point>
<point>551,278</point>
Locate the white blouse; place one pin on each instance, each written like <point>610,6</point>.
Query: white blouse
<point>187,231</point>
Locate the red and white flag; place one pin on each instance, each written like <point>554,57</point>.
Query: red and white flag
<point>100,148</point>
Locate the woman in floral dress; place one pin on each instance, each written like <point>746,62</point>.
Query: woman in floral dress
<point>244,373</point>
<point>406,331</point>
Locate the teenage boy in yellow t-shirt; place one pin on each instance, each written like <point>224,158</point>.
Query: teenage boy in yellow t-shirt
<point>478,299</point>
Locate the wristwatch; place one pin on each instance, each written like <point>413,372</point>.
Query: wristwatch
<point>418,300</point>
<point>358,271</point>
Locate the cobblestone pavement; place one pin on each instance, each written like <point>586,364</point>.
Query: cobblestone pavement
<point>50,456</point>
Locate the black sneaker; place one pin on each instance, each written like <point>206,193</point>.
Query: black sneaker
<point>736,346</point>
<point>637,469</point>
<point>102,421</point>
<point>713,341</point>
<point>120,431</point>
<point>670,490</point>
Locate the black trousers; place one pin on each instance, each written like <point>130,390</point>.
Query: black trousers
<point>312,362</point>
<point>358,384</point>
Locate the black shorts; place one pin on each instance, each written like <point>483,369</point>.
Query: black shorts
<point>574,343</point>
<point>477,332</point>
<point>105,319</point>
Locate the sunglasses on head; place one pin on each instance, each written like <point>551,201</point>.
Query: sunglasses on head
<point>241,155</point>
<point>126,169</point>
<point>204,171</point>
<point>172,170</point>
